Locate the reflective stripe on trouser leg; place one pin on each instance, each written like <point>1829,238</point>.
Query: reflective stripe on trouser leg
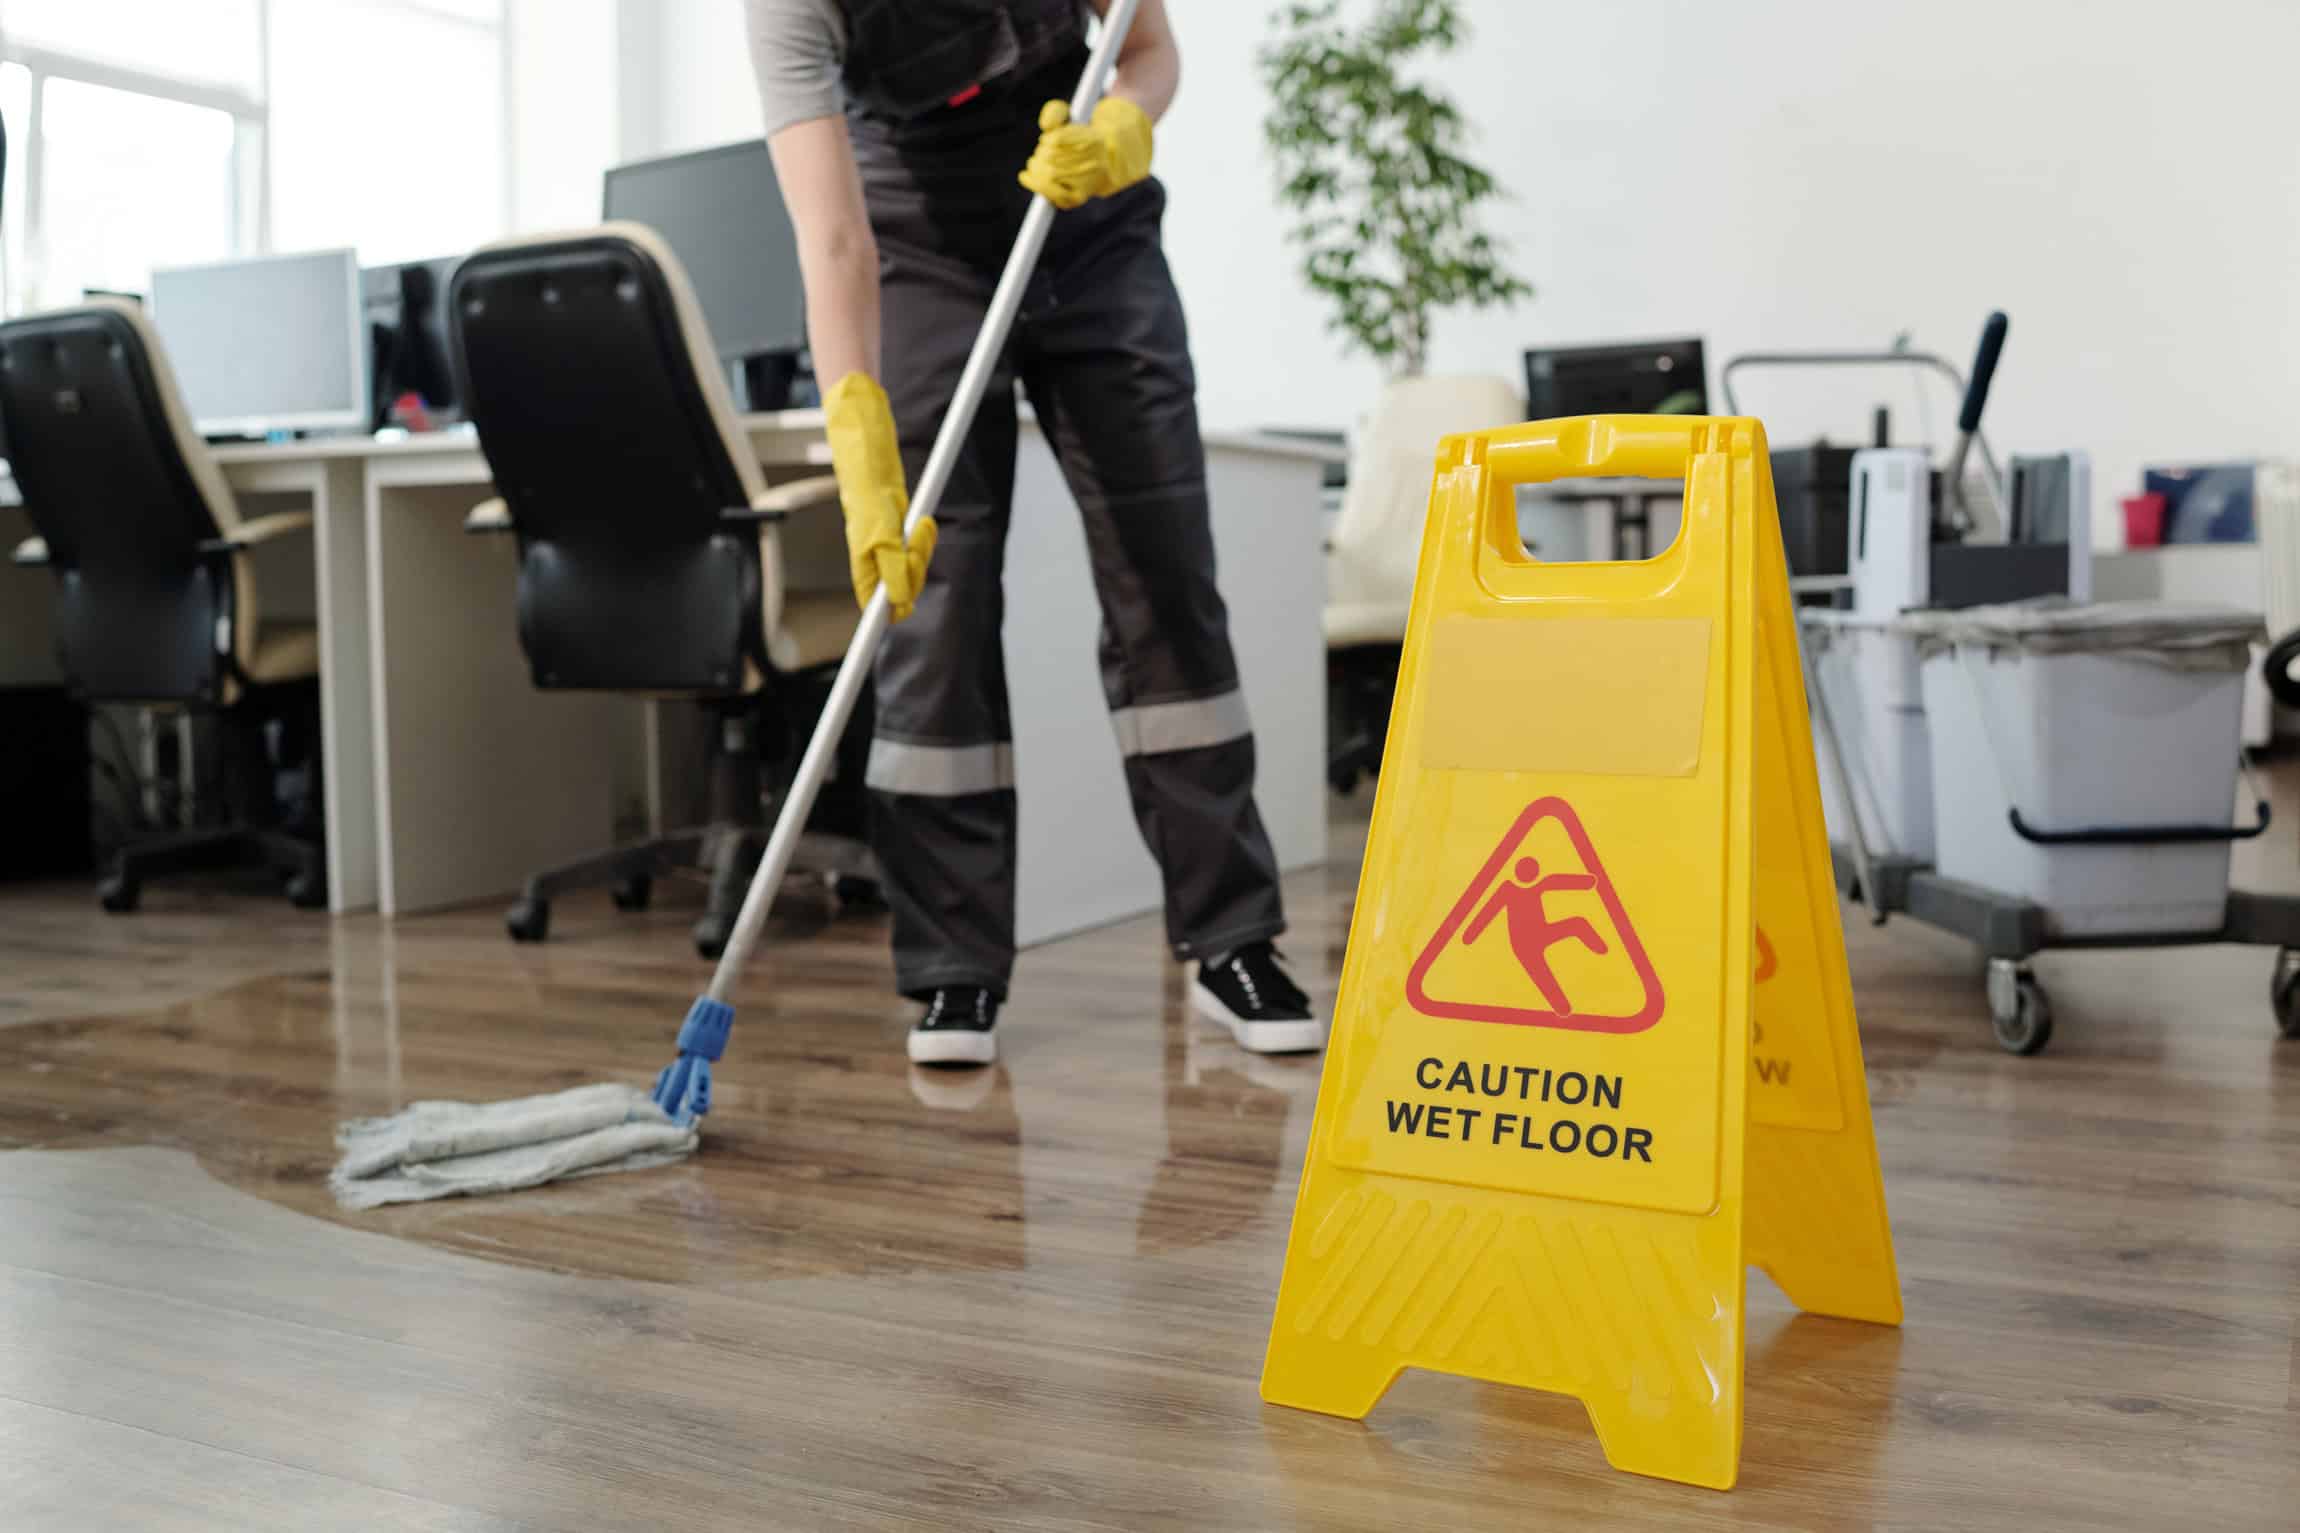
<point>1149,729</point>
<point>938,771</point>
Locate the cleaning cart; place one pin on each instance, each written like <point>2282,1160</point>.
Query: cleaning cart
<point>2080,760</point>
<point>2099,754</point>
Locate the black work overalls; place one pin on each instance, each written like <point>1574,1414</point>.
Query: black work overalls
<point>942,105</point>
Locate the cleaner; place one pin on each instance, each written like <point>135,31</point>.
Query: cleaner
<point>897,131</point>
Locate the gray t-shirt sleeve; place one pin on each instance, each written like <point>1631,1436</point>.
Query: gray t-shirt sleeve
<point>797,47</point>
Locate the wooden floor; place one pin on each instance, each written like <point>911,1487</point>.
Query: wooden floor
<point>1035,1298</point>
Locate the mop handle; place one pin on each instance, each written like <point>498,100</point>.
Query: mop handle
<point>1969,414</point>
<point>1817,700</point>
<point>854,671</point>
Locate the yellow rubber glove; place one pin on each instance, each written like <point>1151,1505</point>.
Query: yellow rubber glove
<point>1075,161</point>
<point>871,493</point>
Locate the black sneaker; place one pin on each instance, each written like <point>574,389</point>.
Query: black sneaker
<point>956,1028</point>
<point>1252,995</point>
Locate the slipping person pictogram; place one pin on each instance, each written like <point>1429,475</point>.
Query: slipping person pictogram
<point>1531,931</point>
<point>1614,989</point>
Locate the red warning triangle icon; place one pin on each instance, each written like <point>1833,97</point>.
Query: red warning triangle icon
<point>1518,903</point>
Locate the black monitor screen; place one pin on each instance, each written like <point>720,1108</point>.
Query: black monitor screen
<point>1635,378</point>
<point>406,308</point>
<point>722,214</point>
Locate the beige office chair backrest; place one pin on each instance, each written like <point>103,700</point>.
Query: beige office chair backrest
<point>207,475</point>
<point>799,629</point>
<point>107,455</point>
<point>1377,539</point>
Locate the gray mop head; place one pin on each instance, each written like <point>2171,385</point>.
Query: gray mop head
<point>446,1149</point>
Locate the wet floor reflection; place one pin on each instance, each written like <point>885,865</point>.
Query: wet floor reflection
<point>825,1154</point>
<point>1224,1112</point>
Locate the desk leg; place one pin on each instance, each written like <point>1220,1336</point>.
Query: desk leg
<point>346,709</point>
<point>481,778</point>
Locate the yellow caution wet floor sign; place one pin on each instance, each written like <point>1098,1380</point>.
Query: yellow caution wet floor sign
<point>1594,1051</point>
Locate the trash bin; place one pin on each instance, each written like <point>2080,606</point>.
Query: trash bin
<point>2085,757</point>
<point>1867,669</point>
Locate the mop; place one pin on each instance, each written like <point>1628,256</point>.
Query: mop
<point>446,1149</point>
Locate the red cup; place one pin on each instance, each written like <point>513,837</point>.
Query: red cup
<point>2144,520</point>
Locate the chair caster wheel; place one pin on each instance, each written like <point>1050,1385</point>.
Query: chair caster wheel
<point>307,891</point>
<point>711,934</point>
<point>528,920</point>
<point>857,893</point>
<point>119,894</point>
<point>632,893</point>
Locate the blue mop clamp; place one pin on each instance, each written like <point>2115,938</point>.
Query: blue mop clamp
<point>684,1088</point>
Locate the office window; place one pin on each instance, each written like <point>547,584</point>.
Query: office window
<point>129,182</point>
<point>387,126</point>
<point>203,42</point>
<point>148,133</point>
<point>134,140</point>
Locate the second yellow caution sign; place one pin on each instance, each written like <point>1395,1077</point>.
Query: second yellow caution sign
<point>1594,1051</point>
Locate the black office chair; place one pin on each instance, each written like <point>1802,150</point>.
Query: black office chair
<point>157,599</point>
<point>652,550</point>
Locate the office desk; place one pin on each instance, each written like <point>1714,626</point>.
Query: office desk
<point>449,777</point>
<point>446,774</point>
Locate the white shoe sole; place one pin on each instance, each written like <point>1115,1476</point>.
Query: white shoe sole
<point>1304,1037</point>
<point>957,1047</point>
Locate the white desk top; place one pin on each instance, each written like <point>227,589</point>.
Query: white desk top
<point>794,422</point>
<point>452,440</point>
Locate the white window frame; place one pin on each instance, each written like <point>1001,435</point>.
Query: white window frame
<point>251,120</point>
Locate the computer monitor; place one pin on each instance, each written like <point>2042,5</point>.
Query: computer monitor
<point>1630,378</point>
<point>722,214</point>
<point>275,343</point>
<point>408,335</point>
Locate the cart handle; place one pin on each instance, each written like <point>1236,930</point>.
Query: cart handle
<point>1894,358</point>
<point>2138,835</point>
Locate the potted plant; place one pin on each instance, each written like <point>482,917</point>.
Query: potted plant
<point>1371,163</point>
<point>1385,208</point>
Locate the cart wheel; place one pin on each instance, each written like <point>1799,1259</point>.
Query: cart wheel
<point>2284,992</point>
<point>2019,1011</point>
